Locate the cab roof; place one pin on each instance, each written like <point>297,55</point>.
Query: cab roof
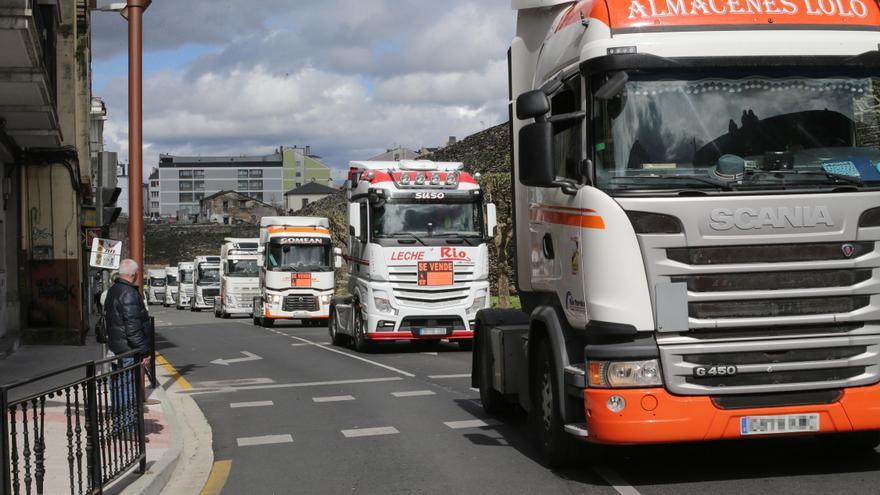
<point>295,222</point>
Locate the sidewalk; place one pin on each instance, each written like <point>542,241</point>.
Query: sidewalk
<point>31,360</point>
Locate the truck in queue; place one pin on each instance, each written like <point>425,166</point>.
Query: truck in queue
<point>297,264</point>
<point>155,286</point>
<point>206,282</point>
<point>695,190</point>
<point>239,277</point>
<point>171,286</point>
<point>185,284</point>
<point>418,260</point>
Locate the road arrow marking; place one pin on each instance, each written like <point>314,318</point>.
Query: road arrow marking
<point>249,356</point>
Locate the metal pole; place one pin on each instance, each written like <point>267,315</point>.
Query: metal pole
<point>134,12</point>
<point>93,440</point>
<point>5,468</point>
<point>154,383</point>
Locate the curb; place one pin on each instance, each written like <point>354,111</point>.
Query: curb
<point>159,474</point>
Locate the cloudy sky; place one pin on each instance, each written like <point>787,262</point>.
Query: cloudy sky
<point>350,78</point>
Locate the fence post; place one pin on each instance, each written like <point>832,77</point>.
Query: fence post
<point>154,382</point>
<point>93,442</point>
<point>142,436</point>
<point>5,468</point>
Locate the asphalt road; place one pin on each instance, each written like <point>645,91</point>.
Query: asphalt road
<point>294,414</point>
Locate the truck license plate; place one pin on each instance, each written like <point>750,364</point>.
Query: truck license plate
<point>432,331</point>
<point>774,425</point>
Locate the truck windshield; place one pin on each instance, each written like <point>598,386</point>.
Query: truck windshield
<point>208,275</point>
<point>427,219</point>
<point>186,277</point>
<point>299,258</point>
<point>157,282</point>
<point>171,280</point>
<point>739,132</point>
<point>242,268</point>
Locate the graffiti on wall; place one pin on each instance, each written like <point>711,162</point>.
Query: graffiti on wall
<point>55,290</point>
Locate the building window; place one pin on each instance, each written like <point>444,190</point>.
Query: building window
<point>154,204</point>
<point>299,184</point>
<point>305,202</point>
<point>242,203</point>
<point>299,174</point>
<point>258,196</point>
<point>257,173</point>
<point>225,206</point>
<point>242,185</point>
<point>186,197</point>
<point>256,185</point>
<point>242,174</point>
<point>199,185</point>
<point>199,174</point>
<point>199,196</point>
<point>186,185</point>
<point>185,174</point>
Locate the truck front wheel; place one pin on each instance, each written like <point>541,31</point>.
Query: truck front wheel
<point>493,402</point>
<point>361,343</point>
<point>556,447</point>
<point>336,338</point>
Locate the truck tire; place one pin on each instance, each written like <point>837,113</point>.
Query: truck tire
<point>336,338</point>
<point>850,444</point>
<point>492,400</point>
<point>361,343</point>
<point>267,322</point>
<point>556,447</point>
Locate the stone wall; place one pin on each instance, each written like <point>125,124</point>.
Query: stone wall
<point>166,245</point>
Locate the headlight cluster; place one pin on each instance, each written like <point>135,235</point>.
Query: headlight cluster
<point>326,298</point>
<point>274,299</point>
<point>624,374</point>
<point>382,302</point>
<point>478,304</point>
<point>231,300</point>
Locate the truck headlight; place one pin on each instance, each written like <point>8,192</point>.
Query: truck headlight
<point>624,374</point>
<point>326,298</point>
<point>274,299</point>
<point>382,302</point>
<point>478,304</point>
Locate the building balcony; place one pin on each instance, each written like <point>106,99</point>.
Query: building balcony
<point>28,110</point>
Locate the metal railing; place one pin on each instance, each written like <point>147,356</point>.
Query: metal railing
<point>90,430</point>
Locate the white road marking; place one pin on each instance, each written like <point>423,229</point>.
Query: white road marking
<point>248,356</point>
<point>615,480</point>
<point>258,403</point>
<point>374,363</point>
<point>429,353</point>
<point>442,377</point>
<point>224,390</point>
<point>335,398</point>
<point>413,393</point>
<point>469,423</point>
<point>235,383</point>
<point>263,440</point>
<point>370,432</point>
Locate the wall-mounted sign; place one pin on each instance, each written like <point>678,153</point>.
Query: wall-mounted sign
<point>105,253</point>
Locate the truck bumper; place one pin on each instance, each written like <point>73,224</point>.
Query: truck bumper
<point>408,325</point>
<point>467,334</point>
<point>656,416</point>
<point>322,314</point>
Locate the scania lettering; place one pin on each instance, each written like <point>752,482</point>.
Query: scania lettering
<point>296,275</point>
<point>696,191</point>
<point>206,282</point>
<point>156,286</point>
<point>185,284</point>
<point>171,286</point>
<point>239,277</point>
<point>417,254</point>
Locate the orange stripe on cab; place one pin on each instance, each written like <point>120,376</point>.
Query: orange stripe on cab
<point>586,220</point>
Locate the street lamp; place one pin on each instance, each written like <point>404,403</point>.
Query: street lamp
<point>133,12</point>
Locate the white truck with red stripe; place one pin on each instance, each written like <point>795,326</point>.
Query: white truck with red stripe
<point>297,263</point>
<point>418,261</point>
<point>696,194</point>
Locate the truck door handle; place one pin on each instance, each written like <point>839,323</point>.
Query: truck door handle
<point>548,247</point>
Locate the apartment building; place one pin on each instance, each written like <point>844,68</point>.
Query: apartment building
<point>302,167</point>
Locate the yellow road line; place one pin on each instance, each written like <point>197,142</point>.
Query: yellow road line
<point>217,478</point>
<point>175,375</point>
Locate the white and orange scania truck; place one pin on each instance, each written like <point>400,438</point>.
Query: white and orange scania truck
<point>418,261</point>
<point>697,217</point>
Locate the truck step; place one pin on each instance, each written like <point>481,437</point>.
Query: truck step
<point>577,429</point>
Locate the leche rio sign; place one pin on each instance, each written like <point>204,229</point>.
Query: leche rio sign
<point>641,13</point>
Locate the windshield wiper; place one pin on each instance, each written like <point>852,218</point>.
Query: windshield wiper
<point>464,237</point>
<point>704,180</point>
<point>409,234</point>
<point>857,181</point>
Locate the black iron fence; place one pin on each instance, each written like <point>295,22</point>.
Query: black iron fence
<point>88,431</point>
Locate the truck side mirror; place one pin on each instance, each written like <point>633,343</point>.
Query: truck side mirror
<point>535,165</point>
<point>337,258</point>
<point>354,219</point>
<point>491,219</point>
<point>532,104</point>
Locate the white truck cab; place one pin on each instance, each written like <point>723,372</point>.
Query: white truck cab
<point>239,277</point>
<point>206,282</point>
<point>418,259</point>
<point>155,286</point>
<point>171,286</point>
<point>185,284</point>
<point>297,263</point>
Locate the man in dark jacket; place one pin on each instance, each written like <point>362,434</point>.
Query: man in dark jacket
<point>127,323</point>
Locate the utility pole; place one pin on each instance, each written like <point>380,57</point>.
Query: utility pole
<point>134,13</point>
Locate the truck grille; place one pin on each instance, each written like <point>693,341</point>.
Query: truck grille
<point>777,307</point>
<point>407,292</point>
<point>305,302</point>
<point>769,253</point>
<point>774,366</point>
